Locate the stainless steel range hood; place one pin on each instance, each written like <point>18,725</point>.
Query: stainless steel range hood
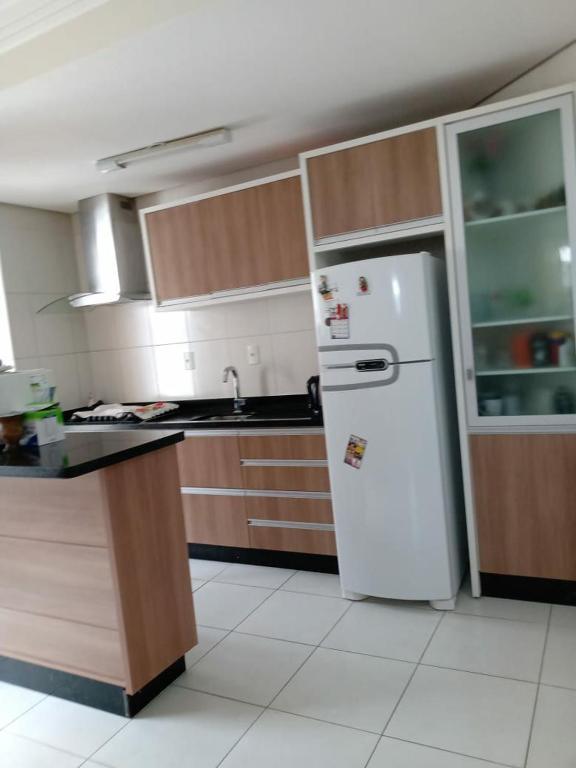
<point>112,251</point>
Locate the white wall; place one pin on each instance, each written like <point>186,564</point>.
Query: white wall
<point>558,70</point>
<point>38,265</point>
<point>138,353</point>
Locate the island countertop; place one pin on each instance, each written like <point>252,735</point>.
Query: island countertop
<point>83,452</point>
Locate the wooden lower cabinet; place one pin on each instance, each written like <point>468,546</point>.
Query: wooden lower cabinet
<point>275,478</point>
<point>215,519</point>
<point>283,510</point>
<point>209,462</point>
<point>525,503</point>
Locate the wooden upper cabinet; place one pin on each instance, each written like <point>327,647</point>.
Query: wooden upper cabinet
<point>238,239</point>
<point>376,184</point>
<point>179,251</point>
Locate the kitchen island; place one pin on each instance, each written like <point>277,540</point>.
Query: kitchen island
<point>95,594</point>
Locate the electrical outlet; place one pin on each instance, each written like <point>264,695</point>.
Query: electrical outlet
<point>189,362</point>
<point>253,354</point>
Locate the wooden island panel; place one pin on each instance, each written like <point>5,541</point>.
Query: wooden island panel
<point>94,577</point>
<point>150,563</point>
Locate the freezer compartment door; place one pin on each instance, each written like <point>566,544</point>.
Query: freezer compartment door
<point>391,508</point>
<point>387,298</point>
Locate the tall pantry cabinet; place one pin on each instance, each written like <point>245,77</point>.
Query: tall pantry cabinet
<point>511,176</point>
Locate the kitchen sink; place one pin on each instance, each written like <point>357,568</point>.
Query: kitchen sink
<point>223,417</point>
<point>247,416</point>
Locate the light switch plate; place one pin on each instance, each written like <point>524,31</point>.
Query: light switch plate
<point>253,353</point>
<point>189,361</point>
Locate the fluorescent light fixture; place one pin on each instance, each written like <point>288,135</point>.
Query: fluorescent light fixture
<point>212,138</point>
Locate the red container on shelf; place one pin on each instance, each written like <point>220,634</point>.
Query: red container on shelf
<point>521,350</point>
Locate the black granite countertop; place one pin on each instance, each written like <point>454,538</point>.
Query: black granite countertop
<point>83,452</point>
<point>273,412</point>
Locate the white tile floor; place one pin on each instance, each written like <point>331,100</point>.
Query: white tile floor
<point>288,674</point>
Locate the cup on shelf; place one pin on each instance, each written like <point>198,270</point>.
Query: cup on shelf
<point>491,405</point>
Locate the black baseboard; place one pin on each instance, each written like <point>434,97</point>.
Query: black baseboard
<point>528,588</point>
<point>297,561</point>
<point>83,690</point>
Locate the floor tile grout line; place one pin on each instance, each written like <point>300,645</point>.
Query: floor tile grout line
<point>268,706</point>
<point>480,674</point>
<point>501,618</point>
<point>29,709</point>
<point>533,718</point>
<point>449,751</point>
<point>416,666</point>
<point>389,719</point>
<point>113,736</point>
<point>61,750</point>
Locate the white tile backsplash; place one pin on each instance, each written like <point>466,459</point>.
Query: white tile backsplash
<point>295,359</point>
<point>216,336</point>
<point>293,312</point>
<point>254,379</point>
<point>247,318</point>
<point>206,323</point>
<point>168,327</point>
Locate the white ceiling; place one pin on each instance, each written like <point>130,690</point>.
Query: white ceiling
<point>23,20</point>
<point>286,75</point>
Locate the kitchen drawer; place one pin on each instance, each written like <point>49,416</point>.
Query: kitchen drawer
<point>283,447</point>
<point>215,519</point>
<point>209,462</point>
<point>284,476</point>
<point>65,581</point>
<point>78,648</point>
<point>287,508</point>
<point>291,524</point>
<point>292,539</point>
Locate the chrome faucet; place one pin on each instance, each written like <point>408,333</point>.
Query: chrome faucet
<point>239,402</point>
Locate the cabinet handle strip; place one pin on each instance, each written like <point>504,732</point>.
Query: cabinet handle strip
<point>195,491</point>
<point>258,523</point>
<point>283,463</point>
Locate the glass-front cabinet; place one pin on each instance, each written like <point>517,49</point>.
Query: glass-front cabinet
<point>512,180</point>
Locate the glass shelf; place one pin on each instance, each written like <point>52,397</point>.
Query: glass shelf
<point>523,321</point>
<point>523,371</point>
<point>516,216</point>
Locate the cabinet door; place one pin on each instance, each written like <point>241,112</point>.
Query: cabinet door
<point>179,251</point>
<point>209,462</point>
<point>235,240</point>
<point>215,519</point>
<point>235,236</point>
<point>285,255</point>
<point>376,184</point>
<point>524,488</point>
<point>513,183</point>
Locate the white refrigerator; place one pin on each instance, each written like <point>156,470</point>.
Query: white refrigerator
<point>390,421</point>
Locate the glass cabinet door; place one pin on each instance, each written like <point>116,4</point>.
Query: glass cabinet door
<point>513,173</point>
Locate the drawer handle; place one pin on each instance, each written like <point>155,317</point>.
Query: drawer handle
<point>258,523</point>
<point>187,490</point>
<point>283,463</point>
